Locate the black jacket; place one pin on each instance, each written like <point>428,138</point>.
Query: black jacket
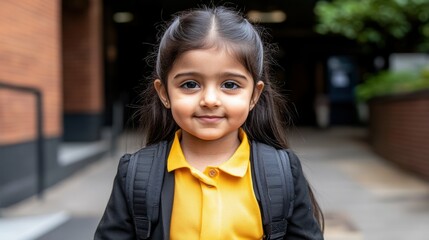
<point>117,222</point>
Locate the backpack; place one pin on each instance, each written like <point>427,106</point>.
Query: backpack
<point>271,175</point>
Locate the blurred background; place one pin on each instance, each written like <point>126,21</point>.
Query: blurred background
<point>355,72</point>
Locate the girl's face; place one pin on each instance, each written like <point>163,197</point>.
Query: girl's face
<point>210,94</point>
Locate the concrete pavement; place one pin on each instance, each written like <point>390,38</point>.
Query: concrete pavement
<point>362,195</point>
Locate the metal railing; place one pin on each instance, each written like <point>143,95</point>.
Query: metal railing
<point>40,144</point>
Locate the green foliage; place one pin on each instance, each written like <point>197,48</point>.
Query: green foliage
<point>391,83</point>
<point>375,21</point>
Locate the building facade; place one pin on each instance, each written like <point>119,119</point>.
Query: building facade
<point>53,48</point>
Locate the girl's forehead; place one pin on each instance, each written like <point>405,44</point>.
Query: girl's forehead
<point>210,55</point>
<point>208,61</point>
<point>203,52</point>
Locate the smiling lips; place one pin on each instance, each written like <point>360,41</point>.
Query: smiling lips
<point>209,118</point>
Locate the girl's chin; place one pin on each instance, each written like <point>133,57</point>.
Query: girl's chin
<point>207,135</point>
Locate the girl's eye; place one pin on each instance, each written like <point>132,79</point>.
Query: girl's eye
<point>190,85</point>
<point>230,85</point>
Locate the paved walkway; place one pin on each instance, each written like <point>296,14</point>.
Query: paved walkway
<point>363,196</point>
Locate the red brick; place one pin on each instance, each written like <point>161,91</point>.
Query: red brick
<point>29,56</point>
<point>400,131</point>
<point>82,60</point>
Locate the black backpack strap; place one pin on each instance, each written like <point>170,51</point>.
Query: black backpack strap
<point>145,175</point>
<point>273,183</point>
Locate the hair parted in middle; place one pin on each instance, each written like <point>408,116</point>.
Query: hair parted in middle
<point>225,29</point>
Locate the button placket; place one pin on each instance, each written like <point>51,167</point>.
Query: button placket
<point>211,214</point>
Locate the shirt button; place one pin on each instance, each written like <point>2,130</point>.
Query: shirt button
<point>213,173</point>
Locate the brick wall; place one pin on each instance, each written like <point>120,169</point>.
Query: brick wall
<point>82,62</point>
<point>29,56</point>
<point>399,128</point>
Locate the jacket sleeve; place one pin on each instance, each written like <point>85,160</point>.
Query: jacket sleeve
<point>302,223</point>
<point>117,222</point>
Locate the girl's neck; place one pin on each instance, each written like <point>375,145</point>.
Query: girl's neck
<point>201,153</point>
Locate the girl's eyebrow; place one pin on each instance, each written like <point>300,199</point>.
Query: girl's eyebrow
<point>234,75</point>
<point>187,74</point>
<point>223,75</point>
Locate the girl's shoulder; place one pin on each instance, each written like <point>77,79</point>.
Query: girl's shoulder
<point>144,155</point>
<point>261,149</point>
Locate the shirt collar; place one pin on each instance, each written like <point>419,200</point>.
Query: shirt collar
<point>237,165</point>
<point>176,159</point>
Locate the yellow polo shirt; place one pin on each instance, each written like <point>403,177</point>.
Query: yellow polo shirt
<point>218,203</point>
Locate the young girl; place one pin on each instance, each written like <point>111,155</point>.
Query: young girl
<point>210,98</point>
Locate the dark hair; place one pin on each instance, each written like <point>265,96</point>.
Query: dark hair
<point>218,27</point>
<point>190,30</point>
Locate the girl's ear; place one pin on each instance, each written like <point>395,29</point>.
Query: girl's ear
<point>256,94</point>
<point>162,92</point>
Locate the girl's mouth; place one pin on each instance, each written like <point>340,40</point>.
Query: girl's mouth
<point>209,119</point>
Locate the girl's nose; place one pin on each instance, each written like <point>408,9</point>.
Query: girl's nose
<point>210,98</point>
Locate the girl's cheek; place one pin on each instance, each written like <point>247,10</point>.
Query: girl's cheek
<point>238,100</point>
<point>184,103</point>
